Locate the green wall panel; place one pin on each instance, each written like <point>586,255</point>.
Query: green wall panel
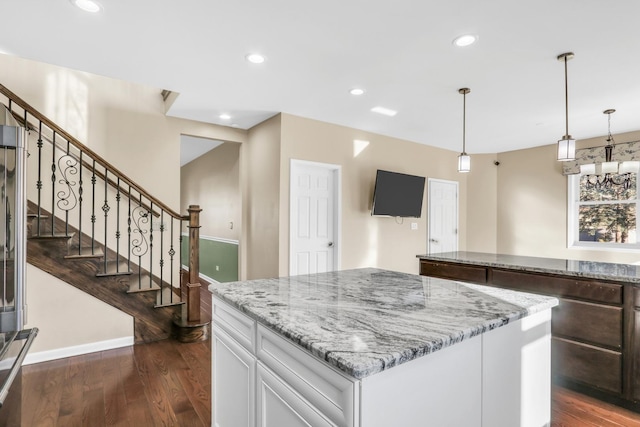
<point>218,260</point>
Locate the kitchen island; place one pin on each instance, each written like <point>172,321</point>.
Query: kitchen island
<point>371,347</point>
<point>595,327</point>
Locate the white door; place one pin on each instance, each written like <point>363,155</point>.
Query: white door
<point>313,217</point>
<point>443,216</point>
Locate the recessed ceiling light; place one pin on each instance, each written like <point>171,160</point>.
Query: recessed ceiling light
<point>356,91</point>
<point>224,116</point>
<point>465,40</point>
<point>255,58</point>
<point>90,6</point>
<point>385,111</point>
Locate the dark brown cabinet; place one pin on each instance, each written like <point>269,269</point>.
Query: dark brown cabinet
<point>595,328</point>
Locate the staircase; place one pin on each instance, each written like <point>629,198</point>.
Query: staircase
<point>94,228</point>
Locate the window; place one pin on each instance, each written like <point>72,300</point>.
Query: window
<point>603,213</point>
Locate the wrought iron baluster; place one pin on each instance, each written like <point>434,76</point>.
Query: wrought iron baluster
<point>39,182</point>
<point>151,247</point>
<point>105,209</point>
<point>118,223</point>
<point>172,252</point>
<point>93,209</point>
<point>80,208</point>
<point>53,183</point>
<point>129,231</point>
<point>66,211</point>
<point>180,256</point>
<point>161,252</point>
<point>140,246</point>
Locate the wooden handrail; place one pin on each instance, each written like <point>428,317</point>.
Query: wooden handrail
<point>92,154</point>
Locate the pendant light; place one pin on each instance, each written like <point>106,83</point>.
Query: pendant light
<point>464,160</point>
<point>566,145</point>
<point>610,173</point>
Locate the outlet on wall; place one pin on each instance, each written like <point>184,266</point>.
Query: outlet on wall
<point>217,268</point>
<point>414,225</point>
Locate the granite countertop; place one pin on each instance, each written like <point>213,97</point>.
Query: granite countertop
<point>364,321</point>
<point>629,273</point>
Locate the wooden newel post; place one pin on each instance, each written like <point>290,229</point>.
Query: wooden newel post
<point>193,286</point>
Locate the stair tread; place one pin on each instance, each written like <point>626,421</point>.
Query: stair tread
<point>168,297</point>
<point>87,252</point>
<point>114,268</point>
<point>52,236</point>
<point>142,284</point>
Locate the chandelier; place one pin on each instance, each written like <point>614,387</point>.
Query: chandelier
<point>610,174</point>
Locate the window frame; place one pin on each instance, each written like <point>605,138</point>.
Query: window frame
<point>573,232</point>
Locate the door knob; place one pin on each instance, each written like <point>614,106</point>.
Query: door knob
<point>433,240</point>
<point>330,244</point>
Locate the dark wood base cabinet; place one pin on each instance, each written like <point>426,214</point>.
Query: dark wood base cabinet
<point>595,328</point>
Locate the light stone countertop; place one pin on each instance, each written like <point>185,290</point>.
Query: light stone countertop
<point>364,321</point>
<point>628,273</point>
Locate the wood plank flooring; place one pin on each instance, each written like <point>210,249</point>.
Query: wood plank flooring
<point>572,409</point>
<point>168,383</point>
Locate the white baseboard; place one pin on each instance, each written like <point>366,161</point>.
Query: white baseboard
<point>76,350</point>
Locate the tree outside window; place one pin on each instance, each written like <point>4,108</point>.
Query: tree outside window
<point>607,213</point>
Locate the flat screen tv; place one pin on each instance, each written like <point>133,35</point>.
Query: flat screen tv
<point>398,194</point>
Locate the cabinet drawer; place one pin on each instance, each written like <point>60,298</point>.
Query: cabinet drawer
<point>332,393</point>
<point>636,356</point>
<point>591,290</point>
<point>587,364</point>
<point>636,297</point>
<point>464,273</point>
<point>241,327</point>
<point>584,321</point>
<point>282,406</point>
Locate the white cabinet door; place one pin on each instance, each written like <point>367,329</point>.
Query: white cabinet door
<point>233,382</point>
<point>280,406</point>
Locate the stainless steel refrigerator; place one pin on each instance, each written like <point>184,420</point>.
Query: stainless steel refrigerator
<point>15,341</point>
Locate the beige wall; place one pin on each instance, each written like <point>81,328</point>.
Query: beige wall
<point>68,317</point>
<point>482,199</point>
<point>213,182</point>
<point>259,181</point>
<point>366,241</point>
<point>532,205</point>
<point>123,122</point>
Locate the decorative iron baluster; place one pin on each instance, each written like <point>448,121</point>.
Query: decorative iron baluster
<point>80,208</point>
<point>105,209</point>
<point>39,182</point>
<point>172,252</point>
<point>129,232</point>
<point>151,248</point>
<point>118,223</point>
<point>161,252</point>
<point>67,200</point>
<point>93,209</point>
<point>140,246</point>
<point>53,183</point>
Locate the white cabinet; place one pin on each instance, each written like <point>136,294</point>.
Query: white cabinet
<point>233,382</point>
<point>279,405</point>
<point>500,378</point>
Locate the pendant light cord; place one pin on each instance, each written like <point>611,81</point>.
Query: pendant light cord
<point>464,122</point>
<point>566,98</point>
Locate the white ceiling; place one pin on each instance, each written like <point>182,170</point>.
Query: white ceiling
<point>399,51</point>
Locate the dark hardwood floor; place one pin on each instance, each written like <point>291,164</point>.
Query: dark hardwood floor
<point>168,383</point>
